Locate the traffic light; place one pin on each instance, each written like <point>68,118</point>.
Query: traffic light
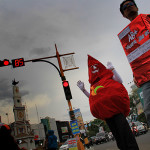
<point>67,90</point>
<point>5,62</point>
<point>72,116</point>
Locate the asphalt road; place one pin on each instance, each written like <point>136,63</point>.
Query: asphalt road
<point>142,140</point>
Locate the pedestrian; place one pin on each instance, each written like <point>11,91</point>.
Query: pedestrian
<point>141,63</point>
<point>52,140</point>
<point>7,141</point>
<point>109,101</point>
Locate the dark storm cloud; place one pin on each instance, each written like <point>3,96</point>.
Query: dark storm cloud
<point>40,51</point>
<point>6,91</point>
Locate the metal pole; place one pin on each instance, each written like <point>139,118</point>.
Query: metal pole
<point>62,74</point>
<point>37,113</point>
<point>79,143</point>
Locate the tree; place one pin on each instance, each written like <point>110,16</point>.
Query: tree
<point>94,127</point>
<point>134,100</point>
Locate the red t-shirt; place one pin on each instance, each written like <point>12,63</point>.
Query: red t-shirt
<point>135,40</point>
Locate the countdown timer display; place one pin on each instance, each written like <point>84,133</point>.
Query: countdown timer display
<point>18,62</point>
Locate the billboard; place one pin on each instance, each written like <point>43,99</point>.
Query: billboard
<point>79,119</point>
<point>64,129</point>
<point>140,93</point>
<point>139,108</point>
<point>74,127</point>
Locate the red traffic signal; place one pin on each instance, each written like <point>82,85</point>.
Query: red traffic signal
<point>67,90</point>
<point>65,83</point>
<point>5,62</point>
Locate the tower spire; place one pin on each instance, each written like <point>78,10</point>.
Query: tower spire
<point>14,82</point>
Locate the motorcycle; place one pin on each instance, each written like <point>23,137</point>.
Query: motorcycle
<point>135,131</point>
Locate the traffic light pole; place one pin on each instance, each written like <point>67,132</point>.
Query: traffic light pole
<point>79,143</point>
<point>62,75</point>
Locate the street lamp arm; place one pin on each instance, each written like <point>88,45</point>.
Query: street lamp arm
<point>37,60</point>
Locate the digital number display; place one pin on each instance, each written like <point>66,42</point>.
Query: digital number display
<point>18,62</point>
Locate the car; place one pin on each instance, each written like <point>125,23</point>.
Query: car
<point>95,140</point>
<point>145,125</point>
<point>110,136</point>
<point>139,126</point>
<point>102,137</point>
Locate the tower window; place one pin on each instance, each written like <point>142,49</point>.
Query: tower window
<point>18,101</point>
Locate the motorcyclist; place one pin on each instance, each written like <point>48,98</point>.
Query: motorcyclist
<point>134,129</point>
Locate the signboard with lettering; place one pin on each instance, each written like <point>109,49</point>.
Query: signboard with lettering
<point>139,108</point>
<point>64,129</point>
<point>135,39</point>
<point>74,127</point>
<point>72,144</point>
<point>140,93</point>
<point>79,118</point>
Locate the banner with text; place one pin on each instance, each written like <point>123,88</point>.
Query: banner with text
<point>135,39</point>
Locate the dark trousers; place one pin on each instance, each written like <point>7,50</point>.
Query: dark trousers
<point>122,132</point>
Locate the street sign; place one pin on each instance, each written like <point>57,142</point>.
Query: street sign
<point>72,144</point>
<point>74,127</point>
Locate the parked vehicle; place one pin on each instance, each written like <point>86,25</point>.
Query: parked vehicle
<point>95,140</point>
<point>138,128</point>
<point>102,137</point>
<point>111,137</point>
<point>134,130</point>
<point>145,126</point>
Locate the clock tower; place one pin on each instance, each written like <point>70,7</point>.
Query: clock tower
<point>19,109</point>
<point>21,128</point>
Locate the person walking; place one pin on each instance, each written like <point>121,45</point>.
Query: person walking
<point>52,140</point>
<point>109,101</point>
<point>7,141</point>
<point>140,64</point>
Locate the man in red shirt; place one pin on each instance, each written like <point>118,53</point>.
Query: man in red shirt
<point>129,10</point>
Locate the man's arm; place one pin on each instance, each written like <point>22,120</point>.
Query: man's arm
<point>82,88</point>
<point>116,76</point>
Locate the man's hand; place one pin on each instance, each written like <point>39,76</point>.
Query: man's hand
<point>110,66</point>
<point>81,85</point>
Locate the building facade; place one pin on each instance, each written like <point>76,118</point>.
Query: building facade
<point>21,128</point>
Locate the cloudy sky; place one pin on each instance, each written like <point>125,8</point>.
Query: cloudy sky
<point>30,29</point>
